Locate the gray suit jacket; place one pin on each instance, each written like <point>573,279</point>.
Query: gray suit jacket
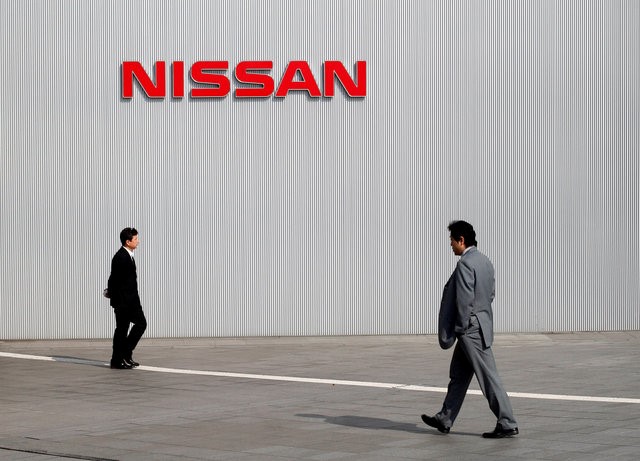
<point>469,291</point>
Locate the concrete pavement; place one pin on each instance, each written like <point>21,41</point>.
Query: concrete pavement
<point>333,398</point>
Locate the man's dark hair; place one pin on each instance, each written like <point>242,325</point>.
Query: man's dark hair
<point>127,234</point>
<point>460,229</point>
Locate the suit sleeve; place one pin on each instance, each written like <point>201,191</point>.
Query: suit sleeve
<point>115,282</point>
<point>447,314</point>
<point>465,294</point>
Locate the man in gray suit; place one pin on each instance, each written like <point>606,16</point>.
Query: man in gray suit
<point>466,315</point>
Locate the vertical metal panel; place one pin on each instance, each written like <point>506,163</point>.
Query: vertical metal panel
<point>302,216</point>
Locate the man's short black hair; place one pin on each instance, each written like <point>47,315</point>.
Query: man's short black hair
<point>127,234</point>
<point>460,229</point>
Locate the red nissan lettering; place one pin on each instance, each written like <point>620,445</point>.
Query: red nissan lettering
<point>288,82</point>
<point>244,75</point>
<point>217,85</point>
<point>335,69</point>
<point>133,69</point>
<point>177,79</point>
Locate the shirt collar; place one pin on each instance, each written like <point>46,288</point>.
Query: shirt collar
<point>467,249</point>
<point>128,251</point>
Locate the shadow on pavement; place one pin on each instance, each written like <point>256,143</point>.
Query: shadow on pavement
<point>364,422</point>
<point>80,361</point>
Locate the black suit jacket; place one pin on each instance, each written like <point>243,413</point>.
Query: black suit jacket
<point>123,281</point>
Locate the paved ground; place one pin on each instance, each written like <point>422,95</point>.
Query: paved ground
<point>75,407</point>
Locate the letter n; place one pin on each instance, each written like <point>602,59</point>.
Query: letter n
<point>133,69</point>
<point>335,69</point>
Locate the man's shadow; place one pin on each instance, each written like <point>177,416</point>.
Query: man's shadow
<point>79,361</point>
<point>364,422</point>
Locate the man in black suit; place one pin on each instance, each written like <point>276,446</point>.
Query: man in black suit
<point>123,293</point>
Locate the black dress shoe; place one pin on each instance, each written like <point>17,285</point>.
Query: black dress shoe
<point>121,365</point>
<point>435,422</point>
<point>500,433</point>
<point>131,362</point>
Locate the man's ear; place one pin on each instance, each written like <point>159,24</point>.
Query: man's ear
<point>462,241</point>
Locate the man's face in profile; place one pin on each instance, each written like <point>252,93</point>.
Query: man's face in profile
<point>458,246</point>
<point>133,243</point>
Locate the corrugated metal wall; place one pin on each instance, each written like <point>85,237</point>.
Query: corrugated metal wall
<point>320,217</point>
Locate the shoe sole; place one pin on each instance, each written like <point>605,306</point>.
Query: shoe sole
<point>500,436</point>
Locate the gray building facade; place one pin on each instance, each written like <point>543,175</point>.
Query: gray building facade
<point>301,215</point>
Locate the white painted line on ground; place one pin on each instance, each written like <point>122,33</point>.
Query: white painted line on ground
<point>334,382</point>
<point>11,355</point>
